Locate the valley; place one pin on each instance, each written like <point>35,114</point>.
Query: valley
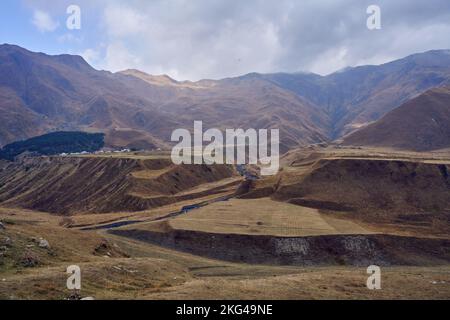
<point>224,153</point>
<point>363,180</point>
<point>307,233</point>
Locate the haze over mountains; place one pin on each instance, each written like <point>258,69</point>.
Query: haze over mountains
<point>41,93</point>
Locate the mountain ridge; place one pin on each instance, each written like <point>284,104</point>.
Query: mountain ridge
<point>421,124</point>
<point>41,93</point>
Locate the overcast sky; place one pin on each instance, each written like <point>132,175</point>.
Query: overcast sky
<point>195,39</point>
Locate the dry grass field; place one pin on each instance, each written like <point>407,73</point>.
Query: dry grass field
<point>119,268</point>
<point>264,217</point>
<point>267,241</point>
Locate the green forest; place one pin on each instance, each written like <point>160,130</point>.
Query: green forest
<point>54,143</point>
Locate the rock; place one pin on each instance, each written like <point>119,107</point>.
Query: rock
<point>104,248</point>
<point>7,241</point>
<point>44,244</point>
<point>88,298</point>
<point>2,226</point>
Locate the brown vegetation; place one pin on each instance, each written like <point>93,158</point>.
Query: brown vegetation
<point>69,185</point>
<point>421,124</point>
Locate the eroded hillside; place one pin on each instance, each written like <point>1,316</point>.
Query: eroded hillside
<point>361,184</point>
<point>68,185</point>
<point>421,124</point>
<point>385,190</point>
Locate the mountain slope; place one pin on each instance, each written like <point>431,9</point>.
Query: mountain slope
<point>421,124</point>
<point>41,93</point>
<point>244,102</point>
<point>354,97</point>
<point>65,93</point>
<point>133,109</point>
<point>70,185</point>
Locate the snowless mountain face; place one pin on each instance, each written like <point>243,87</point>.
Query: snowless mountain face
<point>41,93</point>
<point>357,96</point>
<point>421,124</point>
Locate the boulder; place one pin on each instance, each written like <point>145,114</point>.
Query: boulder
<point>44,244</point>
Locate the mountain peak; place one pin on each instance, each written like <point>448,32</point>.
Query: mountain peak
<point>158,80</point>
<point>73,61</point>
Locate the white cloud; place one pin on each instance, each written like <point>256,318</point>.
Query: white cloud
<point>91,56</point>
<point>118,58</point>
<point>179,39</point>
<point>70,38</point>
<point>123,21</point>
<point>336,59</point>
<point>194,39</point>
<point>44,22</point>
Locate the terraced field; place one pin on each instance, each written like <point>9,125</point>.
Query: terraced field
<point>309,232</point>
<point>264,217</point>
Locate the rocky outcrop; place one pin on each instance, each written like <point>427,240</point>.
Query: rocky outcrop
<point>359,250</point>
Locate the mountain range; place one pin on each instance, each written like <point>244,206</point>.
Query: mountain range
<point>40,93</point>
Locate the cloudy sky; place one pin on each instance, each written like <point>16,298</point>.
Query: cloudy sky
<point>195,39</point>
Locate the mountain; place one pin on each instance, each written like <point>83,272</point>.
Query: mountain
<point>40,93</point>
<point>354,97</point>
<point>56,93</point>
<point>339,103</point>
<point>421,124</point>
<point>244,102</point>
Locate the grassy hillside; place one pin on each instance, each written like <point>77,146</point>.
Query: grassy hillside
<point>421,124</point>
<point>69,185</point>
